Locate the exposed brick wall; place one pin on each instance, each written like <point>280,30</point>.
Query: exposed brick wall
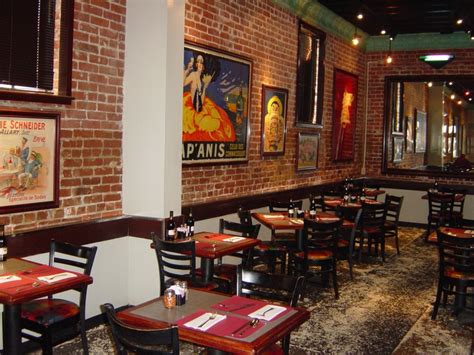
<point>268,35</point>
<point>404,63</point>
<point>91,127</point>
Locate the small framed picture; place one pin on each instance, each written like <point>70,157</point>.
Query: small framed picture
<point>307,154</point>
<point>274,106</point>
<point>409,135</point>
<point>420,131</point>
<point>397,149</point>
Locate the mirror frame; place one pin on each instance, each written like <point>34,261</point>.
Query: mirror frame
<point>388,135</point>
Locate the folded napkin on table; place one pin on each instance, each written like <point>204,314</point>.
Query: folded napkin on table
<point>296,221</point>
<point>205,321</point>
<point>267,312</point>
<point>57,277</point>
<point>8,278</point>
<point>469,231</point>
<point>276,216</point>
<point>233,239</point>
<point>328,218</point>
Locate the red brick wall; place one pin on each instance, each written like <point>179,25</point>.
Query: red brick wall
<point>268,35</point>
<point>404,63</point>
<point>91,127</point>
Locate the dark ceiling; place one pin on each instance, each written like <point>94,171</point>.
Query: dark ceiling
<point>405,16</point>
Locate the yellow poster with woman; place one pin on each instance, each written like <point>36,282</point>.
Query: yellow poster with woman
<point>216,88</point>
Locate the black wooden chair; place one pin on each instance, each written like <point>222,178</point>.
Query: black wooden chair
<point>458,205</point>
<point>440,210</point>
<point>51,317</point>
<point>456,270</point>
<point>319,254</point>
<point>394,207</point>
<point>141,340</point>
<point>275,287</point>
<point>267,252</point>
<point>177,261</point>
<point>372,228</point>
<point>283,237</point>
<point>346,242</point>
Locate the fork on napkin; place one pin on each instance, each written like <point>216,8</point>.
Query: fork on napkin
<point>8,278</point>
<point>57,277</point>
<point>267,312</point>
<point>205,321</point>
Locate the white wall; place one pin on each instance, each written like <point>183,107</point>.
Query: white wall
<point>152,116</point>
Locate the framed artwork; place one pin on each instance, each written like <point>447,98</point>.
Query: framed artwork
<point>307,151</point>
<point>397,108</point>
<point>420,131</point>
<point>409,135</point>
<point>216,106</point>
<point>274,106</point>
<point>398,149</point>
<point>310,76</point>
<point>29,160</point>
<point>344,115</point>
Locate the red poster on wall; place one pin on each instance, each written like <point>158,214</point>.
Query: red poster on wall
<point>344,115</point>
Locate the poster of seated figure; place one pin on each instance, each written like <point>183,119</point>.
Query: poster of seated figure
<point>28,160</point>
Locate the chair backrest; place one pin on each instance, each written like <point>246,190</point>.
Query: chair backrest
<point>394,206</point>
<point>374,215</point>
<point>176,259</point>
<point>458,204</point>
<point>320,235</point>
<point>441,204</point>
<point>78,256</point>
<point>282,206</point>
<point>319,201</point>
<point>141,340</point>
<point>455,253</point>
<point>245,216</point>
<point>284,288</point>
<point>244,230</point>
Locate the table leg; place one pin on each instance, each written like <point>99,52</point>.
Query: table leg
<point>207,266</point>
<point>11,329</point>
<point>299,239</point>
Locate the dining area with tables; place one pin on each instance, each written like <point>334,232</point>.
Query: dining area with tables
<point>249,177</point>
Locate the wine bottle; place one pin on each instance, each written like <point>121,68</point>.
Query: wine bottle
<point>170,228</point>
<point>3,244</point>
<point>312,208</point>
<point>190,223</point>
<point>346,195</point>
<point>362,196</point>
<point>436,186</point>
<point>291,209</point>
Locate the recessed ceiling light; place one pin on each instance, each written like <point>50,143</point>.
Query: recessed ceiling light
<point>470,99</point>
<point>450,83</point>
<point>459,102</point>
<point>459,21</point>
<point>382,32</point>
<point>467,93</point>
<point>360,16</point>
<point>453,96</point>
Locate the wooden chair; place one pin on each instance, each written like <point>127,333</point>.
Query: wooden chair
<point>283,237</point>
<point>267,252</point>
<point>394,207</point>
<point>141,340</point>
<point>177,261</point>
<point>283,288</point>
<point>346,242</point>
<point>456,270</point>
<point>458,205</point>
<point>372,228</point>
<point>440,210</point>
<point>49,317</point>
<point>319,254</point>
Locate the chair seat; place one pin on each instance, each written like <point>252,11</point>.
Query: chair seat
<point>372,230</point>
<point>454,274</point>
<point>268,246</point>
<point>316,255</point>
<point>49,311</point>
<point>280,237</point>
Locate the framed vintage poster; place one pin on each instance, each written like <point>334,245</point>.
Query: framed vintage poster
<point>307,151</point>
<point>396,102</point>
<point>344,115</point>
<point>29,160</point>
<point>409,135</point>
<point>397,149</point>
<point>216,106</point>
<point>274,106</point>
<point>420,131</point>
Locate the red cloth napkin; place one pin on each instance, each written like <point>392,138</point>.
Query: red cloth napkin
<point>225,327</point>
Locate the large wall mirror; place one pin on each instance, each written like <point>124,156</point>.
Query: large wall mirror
<point>429,126</point>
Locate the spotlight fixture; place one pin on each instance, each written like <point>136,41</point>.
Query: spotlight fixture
<point>467,93</point>
<point>453,96</point>
<point>360,16</point>
<point>470,99</point>
<point>459,21</point>
<point>430,84</point>
<point>382,32</point>
<point>437,61</point>
<point>459,102</point>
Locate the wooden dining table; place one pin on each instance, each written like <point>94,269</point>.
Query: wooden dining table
<point>281,221</point>
<point>22,281</point>
<point>233,334</point>
<point>211,246</point>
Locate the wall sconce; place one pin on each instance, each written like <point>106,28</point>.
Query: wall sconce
<point>436,61</point>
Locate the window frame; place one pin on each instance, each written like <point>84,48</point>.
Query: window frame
<point>63,79</point>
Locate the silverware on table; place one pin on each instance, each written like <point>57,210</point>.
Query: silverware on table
<point>211,317</point>
<point>268,310</point>
<point>243,328</point>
